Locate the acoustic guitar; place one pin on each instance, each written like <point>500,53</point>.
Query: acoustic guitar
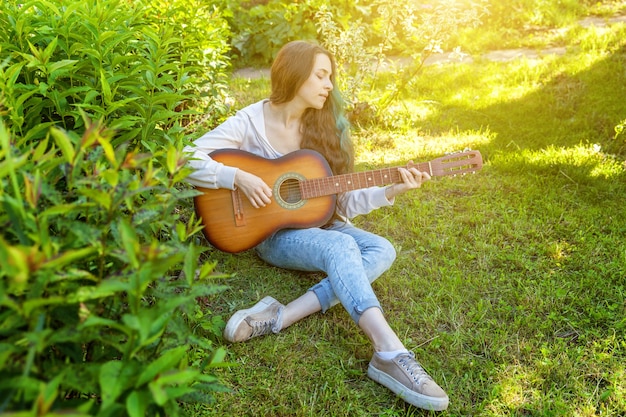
<point>304,193</point>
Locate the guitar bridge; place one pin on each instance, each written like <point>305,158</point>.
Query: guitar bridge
<point>240,219</point>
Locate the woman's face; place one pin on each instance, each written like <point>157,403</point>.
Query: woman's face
<point>316,89</point>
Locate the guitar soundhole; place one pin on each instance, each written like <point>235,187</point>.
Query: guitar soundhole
<point>290,191</point>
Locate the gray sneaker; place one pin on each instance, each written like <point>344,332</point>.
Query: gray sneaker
<point>406,378</point>
<point>263,318</point>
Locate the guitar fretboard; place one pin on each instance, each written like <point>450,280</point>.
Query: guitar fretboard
<point>319,187</point>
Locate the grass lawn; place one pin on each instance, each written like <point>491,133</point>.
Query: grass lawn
<point>510,283</point>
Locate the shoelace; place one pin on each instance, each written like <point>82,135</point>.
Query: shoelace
<point>413,368</point>
<point>260,328</point>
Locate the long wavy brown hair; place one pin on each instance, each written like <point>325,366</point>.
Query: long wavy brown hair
<point>324,130</point>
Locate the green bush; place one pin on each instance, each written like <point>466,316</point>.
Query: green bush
<point>144,69</point>
<point>91,318</point>
<point>99,263</point>
<point>259,30</point>
<point>386,29</point>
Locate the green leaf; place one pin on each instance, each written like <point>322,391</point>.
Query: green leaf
<point>158,393</point>
<point>111,176</point>
<point>47,53</point>
<point>217,357</point>
<point>34,303</point>
<point>7,350</point>
<point>48,393</point>
<point>14,263</point>
<point>106,88</point>
<point>137,403</point>
<point>150,324</point>
<point>56,69</point>
<point>129,242</point>
<point>68,257</point>
<point>181,231</point>
<point>179,377</point>
<point>40,149</point>
<point>115,378</point>
<point>65,144</point>
<point>108,151</point>
<point>105,289</point>
<point>102,198</point>
<point>95,321</point>
<point>11,164</point>
<point>166,362</point>
<point>64,209</point>
<point>12,73</point>
<point>172,160</point>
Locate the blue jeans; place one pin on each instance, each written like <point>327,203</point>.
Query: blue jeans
<point>350,257</point>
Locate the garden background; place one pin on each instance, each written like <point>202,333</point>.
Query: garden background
<point>509,284</point>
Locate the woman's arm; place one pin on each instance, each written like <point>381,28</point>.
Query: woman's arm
<point>207,172</point>
<point>363,201</point>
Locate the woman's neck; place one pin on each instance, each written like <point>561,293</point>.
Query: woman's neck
<point>287,115</point>
<point>282,126</point>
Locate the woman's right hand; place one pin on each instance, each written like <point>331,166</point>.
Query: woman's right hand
<point>257,191</point>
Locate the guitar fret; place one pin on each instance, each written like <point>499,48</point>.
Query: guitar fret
<point>315,188</point>
<point>319,186</point>
<point>329,184</point>
<point>310,191</point>
<point>305,187</point>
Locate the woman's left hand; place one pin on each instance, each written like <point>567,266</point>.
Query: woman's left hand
<point>412,178</point>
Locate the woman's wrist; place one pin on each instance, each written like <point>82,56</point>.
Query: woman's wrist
<point>390,192</point>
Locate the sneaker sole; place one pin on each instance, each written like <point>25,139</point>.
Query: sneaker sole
<point>413,398</point>
<point>238,317</point>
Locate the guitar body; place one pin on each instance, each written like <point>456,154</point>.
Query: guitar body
<point>232,224</point>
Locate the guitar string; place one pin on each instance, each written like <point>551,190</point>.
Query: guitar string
<point>328,182</point>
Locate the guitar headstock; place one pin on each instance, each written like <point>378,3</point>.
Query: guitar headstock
<point>457,163</point>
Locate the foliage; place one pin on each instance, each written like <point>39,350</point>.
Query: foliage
<point>201,45</point>
<point>99,266</point>
<point>88,310</point>
<point>366,37</point>
<point>259,30</point>
<point>135,66</point>
<point>406,29</point>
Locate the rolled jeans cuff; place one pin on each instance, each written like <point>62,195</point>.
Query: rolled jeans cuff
<point>328,300</point>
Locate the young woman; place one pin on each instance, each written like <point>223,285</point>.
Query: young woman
<point>304,111</point>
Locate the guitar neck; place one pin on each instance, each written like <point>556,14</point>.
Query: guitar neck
<point>319,187</point>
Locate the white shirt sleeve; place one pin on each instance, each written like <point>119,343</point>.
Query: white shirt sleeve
<point>244,131</point>
<point>363,201</point>
<point>208,173</point>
